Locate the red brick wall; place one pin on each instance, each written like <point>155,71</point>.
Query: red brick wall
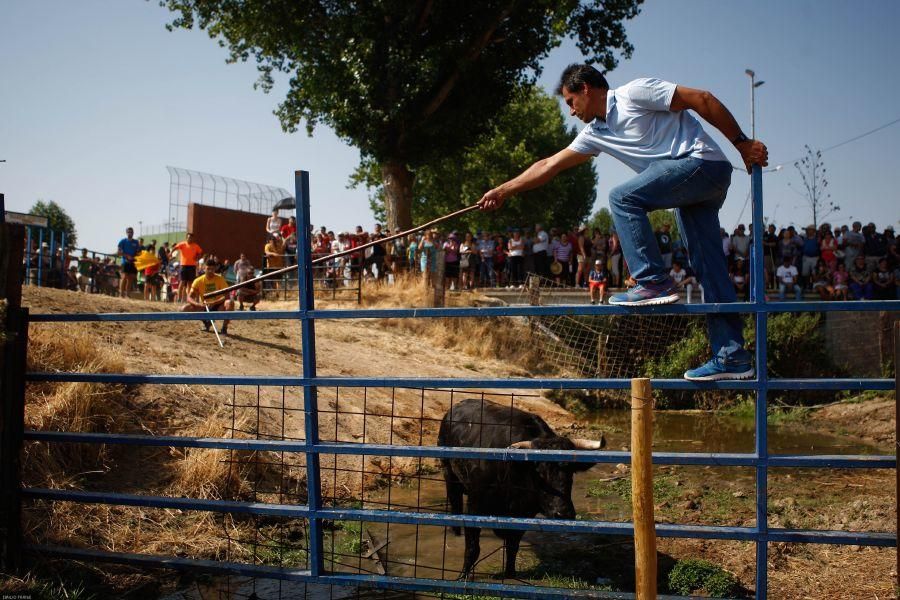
<point>226,232</point>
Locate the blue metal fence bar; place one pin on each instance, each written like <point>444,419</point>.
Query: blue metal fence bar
<point>28,252</point>
<point>51,263</point>
<point>843,461</point>
<point>468,383</point>
<point>817,306</point>
<point>263,509</point>
<point>760,459</point>
<point>436,519</point>
<point>304,576</point>
<point>757,264</point>
<point>310,396</point>
<point>40,259</point>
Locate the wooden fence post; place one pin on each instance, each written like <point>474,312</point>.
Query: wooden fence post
<point>13,346</point>
<point>642,489</point>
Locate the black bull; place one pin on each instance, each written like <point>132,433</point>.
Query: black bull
<point>506,488</point>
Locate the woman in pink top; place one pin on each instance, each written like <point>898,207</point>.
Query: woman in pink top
<point>451,261</point>
<point>840,279</point>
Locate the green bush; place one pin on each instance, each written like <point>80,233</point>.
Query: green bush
<point>692,575</point>
<point>796,348</point>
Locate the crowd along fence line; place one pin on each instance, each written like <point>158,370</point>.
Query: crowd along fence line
<point>312,447</point>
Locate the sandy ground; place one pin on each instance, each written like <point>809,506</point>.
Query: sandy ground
<point>344,348</point>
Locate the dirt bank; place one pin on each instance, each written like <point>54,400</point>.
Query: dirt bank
<point>872,420</point>
<point>344,349</point>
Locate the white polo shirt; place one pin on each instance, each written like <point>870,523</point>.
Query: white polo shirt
<point>640,129</point>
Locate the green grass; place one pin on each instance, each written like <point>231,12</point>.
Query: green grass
<point>745,409</point>
<point>665,488</point>
<point>55,587</point>
<point>273,553</point>
<point>348,537</point>
<point>671,491</point>
<point>692,575</point>
<point>853,397</point>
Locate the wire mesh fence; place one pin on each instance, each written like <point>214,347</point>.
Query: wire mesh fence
<point>187,186</point>
<point>385,492</point>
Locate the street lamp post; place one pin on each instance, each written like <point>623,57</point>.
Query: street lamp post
<point>753,85</point>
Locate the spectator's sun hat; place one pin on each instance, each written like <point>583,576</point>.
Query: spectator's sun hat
<point>597,262</point>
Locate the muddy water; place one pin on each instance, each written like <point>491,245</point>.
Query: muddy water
<point>683,431</point>
<point>434,552</point>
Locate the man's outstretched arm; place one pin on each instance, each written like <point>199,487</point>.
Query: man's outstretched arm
<point>715,113</point>
<point>534,176</point>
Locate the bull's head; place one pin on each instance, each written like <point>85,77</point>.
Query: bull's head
<point>553,480</point>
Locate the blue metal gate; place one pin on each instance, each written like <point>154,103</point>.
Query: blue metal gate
<point>317,514</point>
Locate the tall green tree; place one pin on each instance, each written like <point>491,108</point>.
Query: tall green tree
<point>506,149</point>
<point>602,220</point>
<point>58,219</point>
<point>406,82</point>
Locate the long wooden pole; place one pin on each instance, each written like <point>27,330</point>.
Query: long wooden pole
<point>642,489</point>
<point>323,259</point>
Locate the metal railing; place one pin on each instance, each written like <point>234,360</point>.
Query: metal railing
<point>340,280</point>
<point>311,447</point>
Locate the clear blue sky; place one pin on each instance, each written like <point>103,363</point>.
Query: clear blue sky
<point>97,98</point>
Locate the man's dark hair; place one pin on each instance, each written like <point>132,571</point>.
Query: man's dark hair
<point>578,74</point>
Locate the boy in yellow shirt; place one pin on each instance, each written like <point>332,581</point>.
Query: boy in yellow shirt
<point>210,281</point>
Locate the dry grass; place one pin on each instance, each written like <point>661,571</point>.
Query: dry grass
<point>82,407</point>
<point>406,291</point>
<point>502,338</point>
<point>174,472</point>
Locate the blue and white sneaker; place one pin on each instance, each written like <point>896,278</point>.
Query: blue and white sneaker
<point>716,370</point>
<point>649,294</point>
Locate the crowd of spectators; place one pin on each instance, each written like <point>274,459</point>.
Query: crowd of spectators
<point>843,263</point>
<point>847,263</point>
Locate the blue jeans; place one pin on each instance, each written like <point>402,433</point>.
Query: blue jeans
<point>696,189</point>
<point>782,291</point>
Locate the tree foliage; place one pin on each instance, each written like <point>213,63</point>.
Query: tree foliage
<point>407,83</point>
<point>58,219</point>
<point>602,220</point>
<point>812,176</point>
<point>506,149</point>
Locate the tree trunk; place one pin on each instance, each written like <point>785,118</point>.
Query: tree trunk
<point>398,181</point>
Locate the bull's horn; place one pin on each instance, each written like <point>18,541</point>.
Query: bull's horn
<point>522,444</point>
<point>582,444</point>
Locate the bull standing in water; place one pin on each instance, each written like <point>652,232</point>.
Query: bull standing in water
<point>506,488</point>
